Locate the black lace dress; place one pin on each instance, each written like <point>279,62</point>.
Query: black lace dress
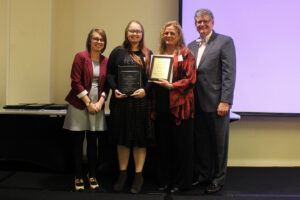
<point>130,123</point>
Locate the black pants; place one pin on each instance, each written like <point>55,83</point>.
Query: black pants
<point>78,138</point>
<point>174,151</point>
<point>211,146</point>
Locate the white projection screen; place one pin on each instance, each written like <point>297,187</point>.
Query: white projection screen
<point>266,34</point>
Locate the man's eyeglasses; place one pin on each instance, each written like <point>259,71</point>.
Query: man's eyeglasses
<point>98,39</point>
<point>135,31</point>
<point>203,21</point>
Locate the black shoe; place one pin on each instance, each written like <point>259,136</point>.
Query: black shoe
<point>195,182</point>
<point>163,188</point>
<point>137,183</point>
<point>213,188</point>
<point>118,187</point>
<point>200,182</point>
<point>174,190</point>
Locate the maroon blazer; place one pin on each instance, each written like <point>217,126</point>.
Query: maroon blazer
<point>82,77</point>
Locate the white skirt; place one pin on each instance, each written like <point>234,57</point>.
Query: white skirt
<point>82,120</point>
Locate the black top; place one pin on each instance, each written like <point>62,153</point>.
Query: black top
<point>119,57</point>
<point>162,96</point>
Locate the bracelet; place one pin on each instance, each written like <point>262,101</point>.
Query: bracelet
<point>88,103</point>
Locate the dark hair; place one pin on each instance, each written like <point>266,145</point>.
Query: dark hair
<point>89,38</point>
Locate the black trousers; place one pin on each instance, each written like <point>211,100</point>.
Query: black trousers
<point>78,138</point>
<point>174,151</point>
<point>211,146</point>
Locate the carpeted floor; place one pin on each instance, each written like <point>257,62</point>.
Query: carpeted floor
<point>242,183</point>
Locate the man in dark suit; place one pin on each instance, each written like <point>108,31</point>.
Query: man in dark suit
<point>216,60</point>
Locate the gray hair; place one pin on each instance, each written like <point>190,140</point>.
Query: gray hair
<point>202,12</point>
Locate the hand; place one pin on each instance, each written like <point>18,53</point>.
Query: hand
<point>164,83</point>
<point>140,93</point>
<point>99,105</point>
<point>223,108</point>
<point>92,108</point>
<point>119,95</point>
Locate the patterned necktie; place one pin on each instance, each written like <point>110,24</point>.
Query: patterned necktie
<point>202,42</point>
<point>201,49</point>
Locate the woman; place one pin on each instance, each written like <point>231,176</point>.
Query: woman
<point>173,111</point>
<point>85,115</point>
<point>130,113</point>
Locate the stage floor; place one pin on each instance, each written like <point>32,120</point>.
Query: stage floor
<point>242,183</point>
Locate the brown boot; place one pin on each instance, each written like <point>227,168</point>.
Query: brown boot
<point>119,185</point>
<point>137,183</point>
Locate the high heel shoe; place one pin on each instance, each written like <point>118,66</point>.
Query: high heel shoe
<point>93,182</point>
<point>79,184</point>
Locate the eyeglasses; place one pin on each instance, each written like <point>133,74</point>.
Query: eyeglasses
<point>135,31</point>
<point>202,21</point>
<point>171,33</point>
<point>98,39</point>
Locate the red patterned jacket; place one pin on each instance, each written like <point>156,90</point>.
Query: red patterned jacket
<point>182,95</point>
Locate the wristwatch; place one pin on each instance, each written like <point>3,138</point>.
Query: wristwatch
<point>88,103</point>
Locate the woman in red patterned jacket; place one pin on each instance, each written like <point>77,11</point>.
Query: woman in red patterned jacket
<point>173,111</point>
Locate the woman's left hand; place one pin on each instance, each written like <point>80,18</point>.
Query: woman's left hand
<point>164,83</point>
<point>140,93</point>
<point>98,106</point>
<point>100,103</point>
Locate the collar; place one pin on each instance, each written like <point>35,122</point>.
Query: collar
<point>206,38</point>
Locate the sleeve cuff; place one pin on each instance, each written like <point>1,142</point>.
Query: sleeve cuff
<point>81,94</point>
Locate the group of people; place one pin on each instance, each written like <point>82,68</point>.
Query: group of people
<point>186,119</point>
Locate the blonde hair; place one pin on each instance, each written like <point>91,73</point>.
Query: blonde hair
<point>142,46</point>
<point>180,42</point>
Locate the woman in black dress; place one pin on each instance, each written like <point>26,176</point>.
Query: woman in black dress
<point>131,126</point>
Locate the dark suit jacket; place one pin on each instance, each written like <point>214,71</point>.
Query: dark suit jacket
<point>82,77</point>
<point>216,72</point>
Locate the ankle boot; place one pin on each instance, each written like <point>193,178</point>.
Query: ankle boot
<point>137,183</point>
<point>119,185</point>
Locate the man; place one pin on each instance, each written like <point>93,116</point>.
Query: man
<point>215,62</point>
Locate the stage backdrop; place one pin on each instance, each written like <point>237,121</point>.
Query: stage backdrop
<point>267,40</point>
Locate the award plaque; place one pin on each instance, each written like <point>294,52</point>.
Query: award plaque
<point>161,67</point>
<point>129,78</point>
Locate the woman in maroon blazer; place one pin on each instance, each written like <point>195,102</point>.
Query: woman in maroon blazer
<point>85,115</point>
<point>173,111</point>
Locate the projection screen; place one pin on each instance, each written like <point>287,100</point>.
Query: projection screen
<point>266,34</point>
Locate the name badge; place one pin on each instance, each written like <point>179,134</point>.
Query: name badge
<point>180,59</point>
